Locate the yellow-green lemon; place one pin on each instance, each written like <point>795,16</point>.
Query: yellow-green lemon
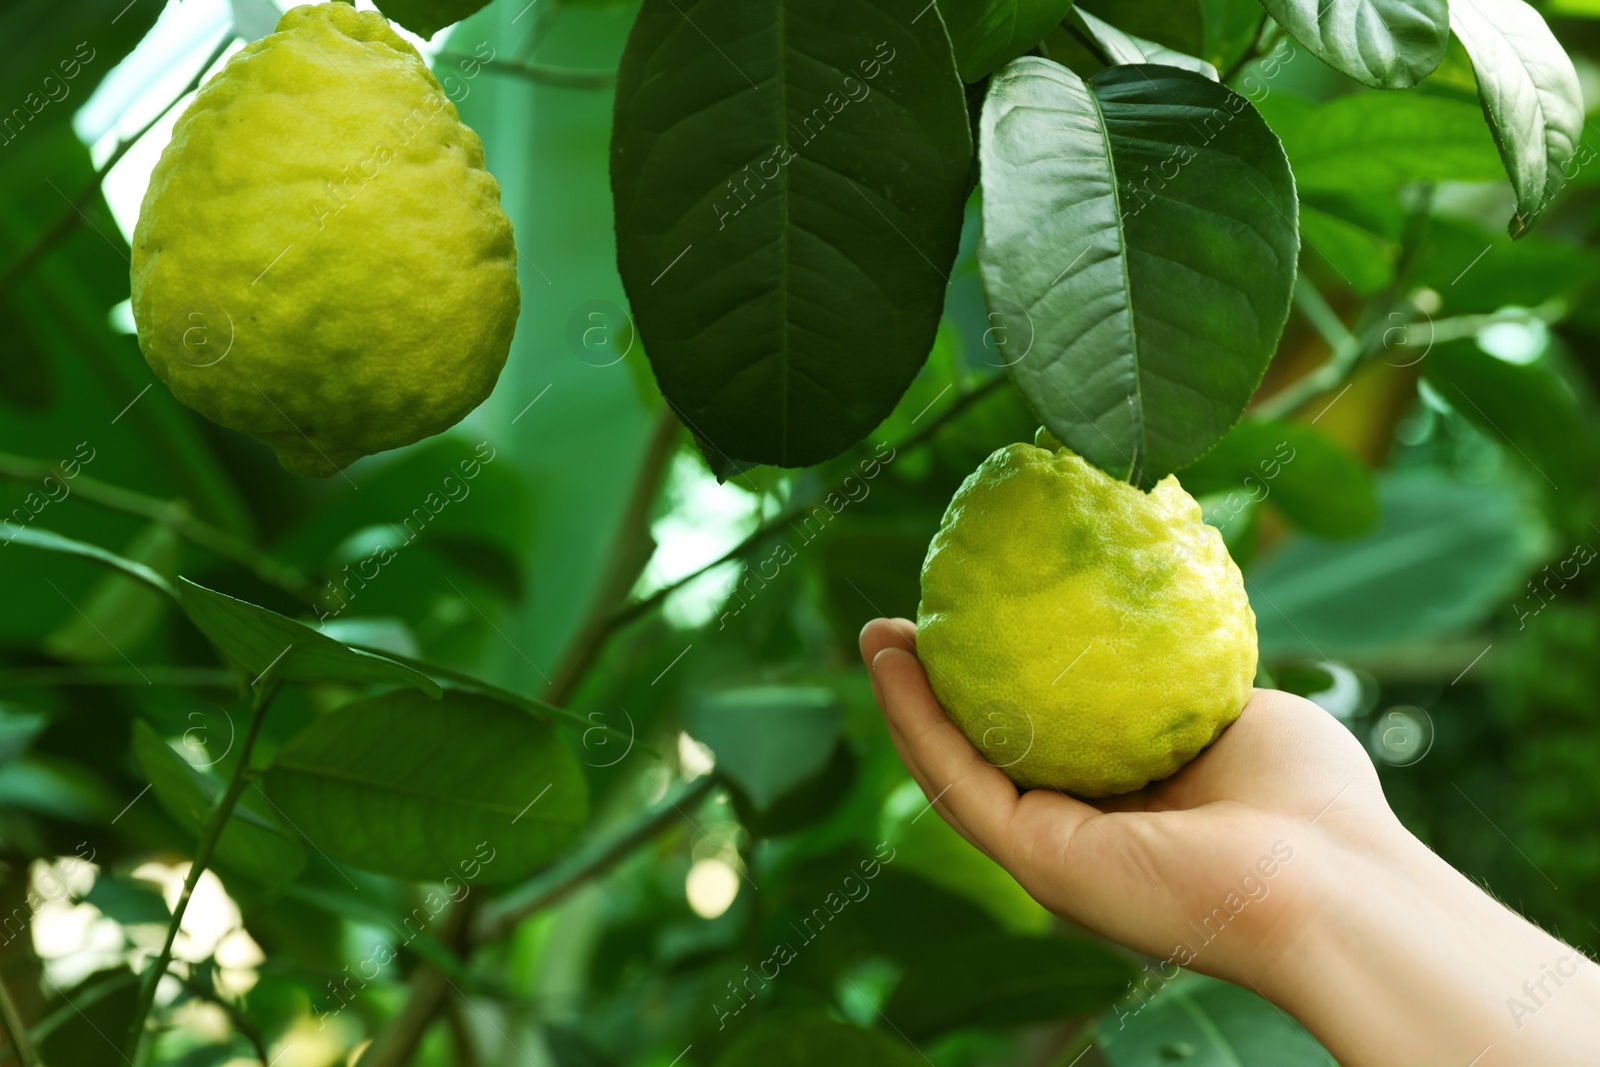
<point>1084,634</point>
<point>321,259</point>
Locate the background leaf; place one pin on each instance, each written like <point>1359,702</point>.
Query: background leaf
<point>927,845</point>
<point>1443,555</point>
<point>1368,140</point>
<point>1387,44</point>
<point>803,1041</point>
<point>423,789</point>
<point>762,248</point>
<point>1203,1022</point>
<point>1122,47</point>
<point>37,537</point>
<point>1139,247</point>
<point>256,639</point>
<point>427,17</point>
<point>1301,470</point>
<point>1000,980</point>
<point>1524,406</point>
<point>253,843</point>
<point>768,739</point>
<point>1530,95</point>
<point>988,34</point>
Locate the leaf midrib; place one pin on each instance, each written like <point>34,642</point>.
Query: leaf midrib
<point>781,25</point>
<point>1134,472</point>
<point>388,787</point>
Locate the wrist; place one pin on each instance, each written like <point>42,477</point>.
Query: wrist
<point>1391,956</point>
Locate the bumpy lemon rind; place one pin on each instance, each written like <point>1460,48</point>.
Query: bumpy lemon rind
<point>321,259</point>
<point>1085,635</point>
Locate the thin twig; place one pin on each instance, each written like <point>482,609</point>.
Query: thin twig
<point>1251,53</point>
<point>396,1045</point>
<point>1089,43</point>
<point>542,74</point>
<point>70,221</point>
<point>235,1016</point>
<point>16,1031</point>
<point>260,698</point>
<point>173,514</point>
<point>429,988</point>
<point>172,677</point>
<point>630,554</point>
<point>587,863</point>
<point>1376,320</point>
<point>462,1047</point>
<point>632,611</point>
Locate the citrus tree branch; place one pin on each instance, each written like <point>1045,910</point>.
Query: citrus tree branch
<point>68,222</point>
<point>540,73</point>
<point>260,698</point>
<point>97,675</point>
<point>1251,53</point>
<point>430,988</point>
<point>1351,349</point>
<point>502,915</point>
<point>629,612</point>
<point>16,1033</point>
<point>173,514</point>
<point>630,554</point>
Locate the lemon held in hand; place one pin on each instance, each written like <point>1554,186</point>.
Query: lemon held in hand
<point>1084,634</point>
<point>321,259</point>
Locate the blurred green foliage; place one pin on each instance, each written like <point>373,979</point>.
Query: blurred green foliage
<point>1418,534</point>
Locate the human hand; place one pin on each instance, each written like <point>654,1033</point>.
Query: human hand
<point>1272,860</point>
<point>1206,868</point>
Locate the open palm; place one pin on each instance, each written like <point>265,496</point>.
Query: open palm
<point>1205,868</point>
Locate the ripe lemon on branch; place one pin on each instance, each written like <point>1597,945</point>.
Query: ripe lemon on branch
<point>321,259</point>
<point>1084,634</point>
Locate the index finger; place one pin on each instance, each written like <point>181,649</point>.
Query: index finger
<point>977,795</point>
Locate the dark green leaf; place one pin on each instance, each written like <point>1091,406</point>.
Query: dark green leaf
<point>256,639</point>
<point>76,1029</point>
<point>127,900</point>
<point>253,842</point>
<point>1477,271</point>
<point>927,845</point>
<point>1175,24</point>
<point>119,612</point>
<point>379,635</point>
<point>463,787</point>
<point>54,52</point>
<point>35,537</point>
<point>789,197</point>
<point>1524,408</point>
<point>1383,140</point>
<point>988,34</point>
<point>1139,248</point>
<point>427,17</point>
<point>1442,557</point>
<point>1387,44</point>
<point>1360,258</point>
<point>1313,479</point>
<point>768,739</point>
<point>1230,28</point>
<point>810,1040</point>
<point>1001,980</point>
<point>26,379</point>
<point>17,730</point>
<point>1530,95</point>
<point>1201,1022</point>
<point>680,797</point>
<point>1122,47</point>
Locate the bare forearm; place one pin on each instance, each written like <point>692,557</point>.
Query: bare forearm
<point>1406,962</point>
